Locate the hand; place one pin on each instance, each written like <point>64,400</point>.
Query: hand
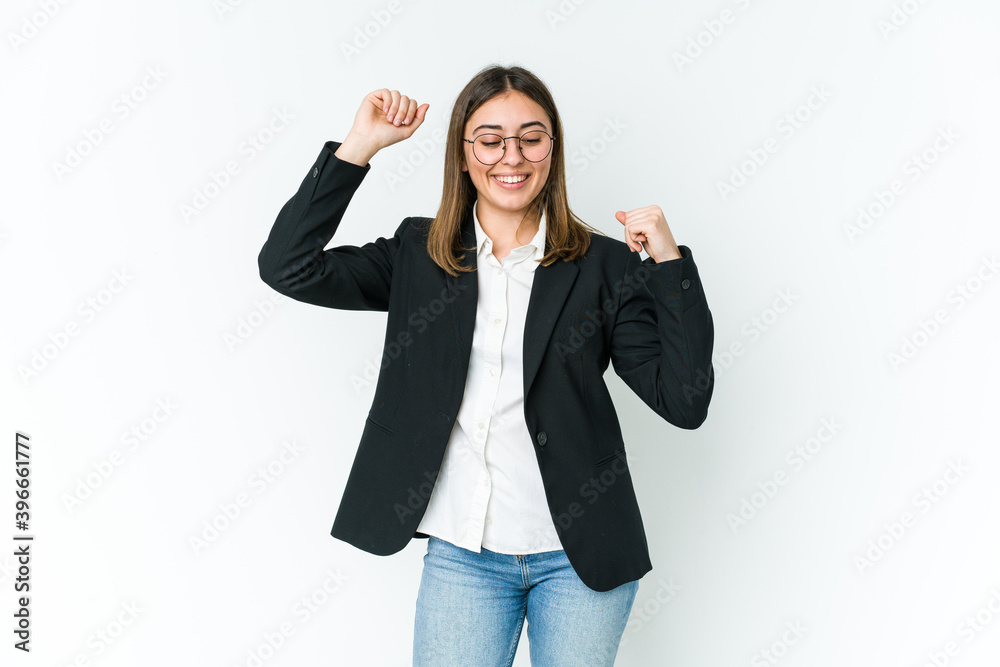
<point>385,118</point>
<point>646,229</point>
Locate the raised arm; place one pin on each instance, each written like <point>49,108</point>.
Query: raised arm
<point>662,342</point>
<point>293,260</point>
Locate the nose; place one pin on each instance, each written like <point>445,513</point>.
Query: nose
<point>512,155</point>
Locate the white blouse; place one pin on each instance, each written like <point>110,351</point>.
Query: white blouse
<point>489,491</point>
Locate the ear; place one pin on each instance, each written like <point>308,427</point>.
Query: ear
<point>464,166</point>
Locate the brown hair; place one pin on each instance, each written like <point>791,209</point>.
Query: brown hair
<point>567,234</point>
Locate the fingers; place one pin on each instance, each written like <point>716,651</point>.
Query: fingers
<point>393,105</point>
<point>648,226</point>
<point>639,223</point>
<point>390,100</point>
<point>422,112</point>
<point>398,108</point>
<point>385,97</point>
<point>406,116</point>
<point>417,115</point>
<point>630,241</point>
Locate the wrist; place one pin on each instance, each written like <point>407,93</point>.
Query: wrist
<point>356,149</point>
<point>668,255</point>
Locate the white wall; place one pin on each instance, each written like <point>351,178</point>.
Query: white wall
<point>672,132</point>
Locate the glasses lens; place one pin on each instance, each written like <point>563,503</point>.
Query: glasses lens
<point>488,148</point>
<point>535,145</point>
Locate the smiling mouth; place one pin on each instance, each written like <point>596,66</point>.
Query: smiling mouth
<point>510,180</point>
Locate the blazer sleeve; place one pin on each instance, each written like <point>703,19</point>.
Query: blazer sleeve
<point>661,344</point>
<point>293,260</point>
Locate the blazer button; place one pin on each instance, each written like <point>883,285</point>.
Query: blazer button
<point>542,438</point>
<point>315,172</point>
<point>685,283</point>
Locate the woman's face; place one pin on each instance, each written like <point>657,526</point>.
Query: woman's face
<point>508,115</point>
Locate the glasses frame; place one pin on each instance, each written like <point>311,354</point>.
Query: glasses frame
<point>504,140</point>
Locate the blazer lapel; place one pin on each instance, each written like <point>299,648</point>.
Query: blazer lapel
<point>549,290</point>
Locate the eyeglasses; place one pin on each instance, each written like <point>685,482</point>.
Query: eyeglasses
<point>490,148</point>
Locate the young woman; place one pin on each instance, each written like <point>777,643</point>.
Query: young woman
<point>491,432</point>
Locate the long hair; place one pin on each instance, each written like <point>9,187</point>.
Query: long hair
<point>568,235</point>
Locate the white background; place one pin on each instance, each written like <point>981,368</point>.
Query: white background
<point>658,130</point>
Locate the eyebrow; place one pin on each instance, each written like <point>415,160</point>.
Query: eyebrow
<point>499,127</point>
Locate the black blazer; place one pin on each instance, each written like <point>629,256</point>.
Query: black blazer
<point>651,321</point>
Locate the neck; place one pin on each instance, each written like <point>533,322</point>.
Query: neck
<point>514,228</point>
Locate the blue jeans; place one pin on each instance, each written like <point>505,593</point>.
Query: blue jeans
<point>471,606</point>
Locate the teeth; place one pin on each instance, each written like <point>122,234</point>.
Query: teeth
<point>510,179</point>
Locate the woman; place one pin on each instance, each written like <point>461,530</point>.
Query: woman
<point>492,433</point>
